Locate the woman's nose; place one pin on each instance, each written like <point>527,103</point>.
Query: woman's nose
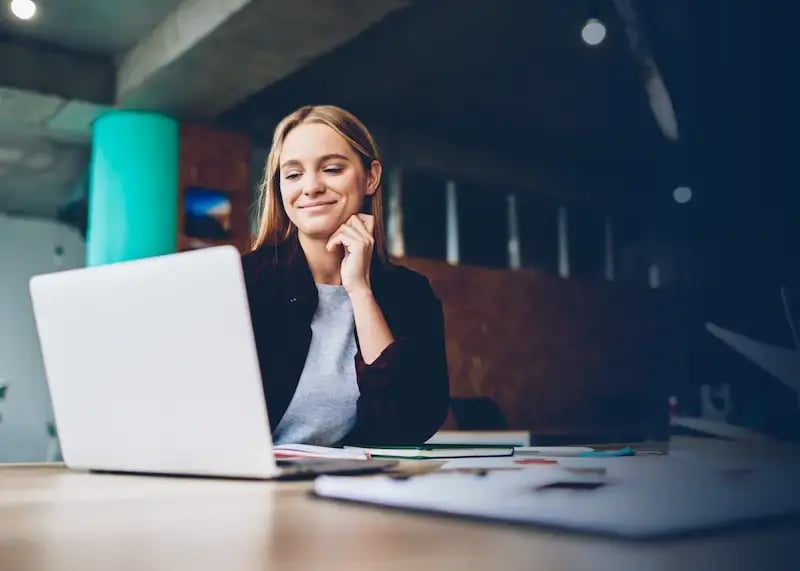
<point>313,185</point>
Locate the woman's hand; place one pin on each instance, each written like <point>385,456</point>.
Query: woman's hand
<point>355,236</point>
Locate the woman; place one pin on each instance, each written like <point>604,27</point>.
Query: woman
<point>351,346</point>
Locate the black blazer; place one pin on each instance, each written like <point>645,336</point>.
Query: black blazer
<point>404,393</point>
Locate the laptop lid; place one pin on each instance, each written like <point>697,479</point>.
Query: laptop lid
<point>152,367</point>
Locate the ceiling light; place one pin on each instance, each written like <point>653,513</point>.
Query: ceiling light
<point>23,9</point>
<point>594,32</point>
<point>682,194</point>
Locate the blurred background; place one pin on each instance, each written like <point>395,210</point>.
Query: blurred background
<point>586,183</point>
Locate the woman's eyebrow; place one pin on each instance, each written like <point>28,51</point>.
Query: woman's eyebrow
<point>323,158</point>
<point>290,163</point>
<point>333,156</point>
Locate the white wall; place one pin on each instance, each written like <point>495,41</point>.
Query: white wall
<point>27,248</point>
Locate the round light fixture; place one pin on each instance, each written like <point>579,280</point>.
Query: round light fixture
<point>594,32</point>
<point>23,9</point>
<point>682,194</point>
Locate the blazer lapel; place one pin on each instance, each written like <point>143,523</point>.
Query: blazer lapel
<point>296,300</point>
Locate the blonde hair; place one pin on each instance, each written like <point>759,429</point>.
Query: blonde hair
<point>274,226</point>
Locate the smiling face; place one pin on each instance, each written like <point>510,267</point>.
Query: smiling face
<point>322,180</point>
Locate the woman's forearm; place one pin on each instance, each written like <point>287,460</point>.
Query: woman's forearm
<point>373,332</point>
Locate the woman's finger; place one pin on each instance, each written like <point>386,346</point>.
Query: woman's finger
<point>355,235</point>
<point>358,224</point>
<point>369,222</point>
<point>335,238</point>
<point>334,241</point>
<point>351,242</point>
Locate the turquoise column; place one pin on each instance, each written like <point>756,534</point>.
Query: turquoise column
<point>133,187</point>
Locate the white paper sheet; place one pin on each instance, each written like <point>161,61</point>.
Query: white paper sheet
<point>641,501</point>
<point>783,364</point>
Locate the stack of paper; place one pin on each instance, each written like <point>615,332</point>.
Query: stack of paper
<point>311,451</point>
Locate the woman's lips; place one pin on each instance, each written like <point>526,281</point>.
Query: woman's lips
<point>317,206</point>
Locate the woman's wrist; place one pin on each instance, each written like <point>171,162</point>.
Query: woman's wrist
<point>374,334</point>
<point>360,293</point>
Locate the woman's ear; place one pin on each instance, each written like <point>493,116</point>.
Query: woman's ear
<point>373,177</point>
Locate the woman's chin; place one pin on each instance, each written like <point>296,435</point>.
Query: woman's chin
<point>317,231</point>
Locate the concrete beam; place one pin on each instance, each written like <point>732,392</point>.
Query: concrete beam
<point>180,32</point>
<point>209,55</point>
<point>49,70</point>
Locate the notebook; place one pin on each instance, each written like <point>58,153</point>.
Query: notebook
<point>431,451</point>
<point>500,438</point>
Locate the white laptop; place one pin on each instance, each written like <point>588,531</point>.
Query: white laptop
<point>152,368</point>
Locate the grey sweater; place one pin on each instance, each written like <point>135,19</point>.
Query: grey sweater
<point>323,409</point>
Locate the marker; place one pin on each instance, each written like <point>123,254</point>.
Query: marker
<point>551,450</point>
<point>627,451</point>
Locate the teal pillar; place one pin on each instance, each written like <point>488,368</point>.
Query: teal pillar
<point>133,187</point>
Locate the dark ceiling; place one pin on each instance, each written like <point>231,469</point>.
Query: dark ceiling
<point>506,75</point>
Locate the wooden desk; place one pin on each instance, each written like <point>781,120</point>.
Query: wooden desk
<point>52,518</point>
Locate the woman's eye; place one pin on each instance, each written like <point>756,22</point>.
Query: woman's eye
<point>333,170</point>
<point>292,176</point>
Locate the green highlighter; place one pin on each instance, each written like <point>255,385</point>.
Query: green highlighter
<point>626,451</point>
